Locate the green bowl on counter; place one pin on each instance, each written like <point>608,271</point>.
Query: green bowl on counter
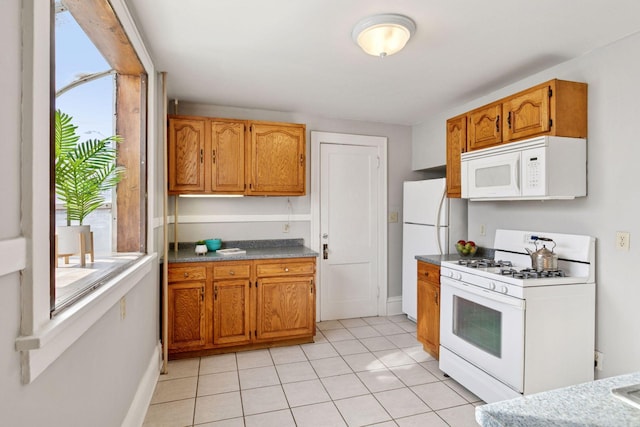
<point>213,244</point>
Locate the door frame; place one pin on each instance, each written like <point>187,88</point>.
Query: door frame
<point>380,142</point>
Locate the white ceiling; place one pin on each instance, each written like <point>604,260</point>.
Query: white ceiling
<point>298,55</point>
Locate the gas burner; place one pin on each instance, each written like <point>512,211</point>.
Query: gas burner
<point>530,273</point>
<point>483,263</point>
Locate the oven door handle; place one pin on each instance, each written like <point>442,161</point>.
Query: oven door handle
<point>490,295</point>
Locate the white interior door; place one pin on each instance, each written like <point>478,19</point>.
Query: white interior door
<point>350,222</point>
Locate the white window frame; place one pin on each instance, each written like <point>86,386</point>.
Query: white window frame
<point>42,338</point>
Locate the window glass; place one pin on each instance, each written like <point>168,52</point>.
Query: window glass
<point>85,93</point>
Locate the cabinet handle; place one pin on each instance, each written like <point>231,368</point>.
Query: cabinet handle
<point>201,155</point>
<point>286,269</point>
<point>436,298</point>
<point>215,292</point>
<point>509,119</point>
<point>426,273</point>
<point>186,275</point>
<point>231,273</point>
<point>498,124</point>
<point>301,159</point>
<point>213,156</point>
<point>311,284</point>
<point>201,294</point>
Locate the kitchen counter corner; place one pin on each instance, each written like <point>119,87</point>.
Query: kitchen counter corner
<point>589,404</point>
<point>438,259</point>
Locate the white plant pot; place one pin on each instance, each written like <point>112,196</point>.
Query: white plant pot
<point>201,249</point>
<point>69,240</point>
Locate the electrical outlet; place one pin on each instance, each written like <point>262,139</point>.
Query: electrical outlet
<point>483,230</point>
<point>598,360</point>
<point>285,228</point>
<point>622,240</point>
<point>123,308</point>
<point>393,216</point>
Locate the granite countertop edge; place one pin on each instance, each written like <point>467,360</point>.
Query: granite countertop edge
<point>583,404</point>
<point>438,259</point>
<point>255,249</point>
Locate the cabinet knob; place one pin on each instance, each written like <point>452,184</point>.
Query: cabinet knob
<point>232,272</point>
<point>286,269</point>
<point>186,275</point>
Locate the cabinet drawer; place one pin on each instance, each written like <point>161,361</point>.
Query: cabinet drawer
<point>428,272</point>
<point>285,268</point>
<point>181,274</point>
<point>231,271</point>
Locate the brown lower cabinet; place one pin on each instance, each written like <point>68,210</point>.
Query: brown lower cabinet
<point>428,322</point>
<point>222,306</point>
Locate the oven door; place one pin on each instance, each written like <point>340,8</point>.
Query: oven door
<point>490,176</point>
<point>484,328</point>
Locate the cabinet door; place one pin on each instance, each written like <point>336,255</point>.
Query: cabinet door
<point>186,155</point>
<point>428,321</point>
<point>277,159</point>
<point>431,315</point>
<point>231,305</point>
<point>527,114</point>
<point>456,145</point>
<point>186,316</point>
<point>227,157</point>
<point>285,307</point>
<point>484,127</point>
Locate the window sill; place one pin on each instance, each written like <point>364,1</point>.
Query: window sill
<point>52,339</point>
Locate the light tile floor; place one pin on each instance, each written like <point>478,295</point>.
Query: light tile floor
<point>359,372</point>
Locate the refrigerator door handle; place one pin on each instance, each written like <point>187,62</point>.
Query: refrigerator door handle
<point>437,228</point>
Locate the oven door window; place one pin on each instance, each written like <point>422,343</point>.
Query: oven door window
<point>478,325</point>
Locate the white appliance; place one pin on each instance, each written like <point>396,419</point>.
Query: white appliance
<point>430,221</point>
<point>546,167</point>
<point>508,331</point>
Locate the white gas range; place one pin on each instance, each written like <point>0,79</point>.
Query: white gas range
<point>506,330</point>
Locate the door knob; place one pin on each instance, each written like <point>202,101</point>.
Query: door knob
<point>325,235</point>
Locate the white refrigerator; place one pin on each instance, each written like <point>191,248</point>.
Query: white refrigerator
<point>432,223</point>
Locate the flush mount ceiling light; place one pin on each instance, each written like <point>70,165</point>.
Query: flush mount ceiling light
<point>383,35</point>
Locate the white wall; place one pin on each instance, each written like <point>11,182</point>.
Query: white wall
<point>92,383</point>
<point>613,199</point>
<point>399,167</point>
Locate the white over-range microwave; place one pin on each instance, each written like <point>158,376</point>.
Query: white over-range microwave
<point>541,168</point>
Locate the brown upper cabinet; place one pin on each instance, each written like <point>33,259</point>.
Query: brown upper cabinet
<point>276,159</point>
<point>484,127</point>
<point>186,155</point>
<point>556,108</point>
<point>228,156</point>
<point>456,145</point>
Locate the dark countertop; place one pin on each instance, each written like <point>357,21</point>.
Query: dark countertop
<point>256,249</point>
<point>438,259</point>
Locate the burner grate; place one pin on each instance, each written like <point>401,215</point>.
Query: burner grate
<point>530,273</point>
<point>483,263</point>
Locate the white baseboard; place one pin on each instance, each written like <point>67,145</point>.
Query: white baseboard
<point>142,399</point>
<point>394,306</point>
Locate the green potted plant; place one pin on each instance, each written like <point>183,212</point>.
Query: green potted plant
<point>201,247</point>
<point>83,172</point>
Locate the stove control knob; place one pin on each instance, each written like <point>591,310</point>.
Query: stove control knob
<point>492,286</point>
<point>504,289</point>
<point>459,276</point>
<point>451,274</point>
